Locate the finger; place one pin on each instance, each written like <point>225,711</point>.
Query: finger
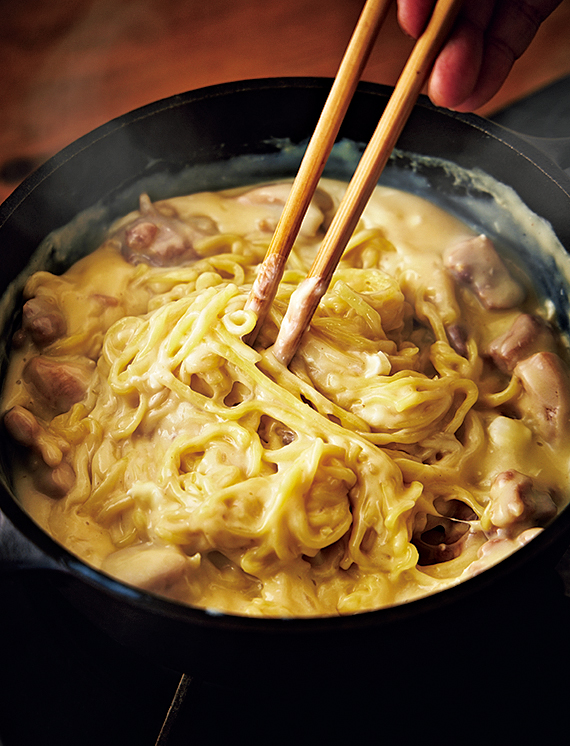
<point>510,32</point>
<point>515,23</point>
<point>456,69</point>
<point>458,66</point>
<point>413,15</point>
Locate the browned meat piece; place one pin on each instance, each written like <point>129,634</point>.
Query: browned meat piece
<point>162,240</point>
<point>26,430</point>
<point>457,337</point>
<point>54,483</point>
<point>42,321</point>
<point>152,568</point>
<point>59,383</point>
<point>51,475</point>
<point>22,426</point>
<point>476,263</point>
<point>275,196</point>
<point>545,396</point>
<point>499,547</point>
<point>515,500</point>
<point>527,335</point>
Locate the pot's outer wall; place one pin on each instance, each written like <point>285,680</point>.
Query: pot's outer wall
<point>220,123</point>
<point>234,119</point>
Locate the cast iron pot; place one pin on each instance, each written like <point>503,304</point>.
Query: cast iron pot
<point>170,146</point>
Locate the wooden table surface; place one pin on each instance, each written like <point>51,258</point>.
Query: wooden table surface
<point>68,66</point>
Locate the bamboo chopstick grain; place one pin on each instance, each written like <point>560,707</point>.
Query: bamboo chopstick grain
<point>305,300</point>
<point>311,168</point>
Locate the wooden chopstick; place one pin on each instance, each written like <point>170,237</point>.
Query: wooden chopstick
<point>318,150</point>
<point>306,298</point>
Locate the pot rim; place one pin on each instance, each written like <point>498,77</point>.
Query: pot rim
<point>75,567</point>
<point>515,141</point>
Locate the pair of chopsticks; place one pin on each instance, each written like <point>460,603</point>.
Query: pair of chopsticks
<point>306,298</point>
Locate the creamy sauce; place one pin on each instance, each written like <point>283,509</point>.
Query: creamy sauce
<point>392,459</point>
<point>301,306</point>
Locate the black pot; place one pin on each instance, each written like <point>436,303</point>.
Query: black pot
<point>169,147</point>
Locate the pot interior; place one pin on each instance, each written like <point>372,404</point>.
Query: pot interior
<point>239,134</point>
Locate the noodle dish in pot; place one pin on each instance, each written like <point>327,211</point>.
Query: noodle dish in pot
<point>419,436</point>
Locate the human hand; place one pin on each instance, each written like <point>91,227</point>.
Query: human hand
<point>488,36</point>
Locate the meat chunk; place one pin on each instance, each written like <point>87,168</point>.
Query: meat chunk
<point>25,429</point>
<point>59,383</point>
<point>22,426</point>
<point>514,499</point>
<point>528,335</point>
<point>54,482</point>
<point>496,549</point>
<point>476,263</point>
<point>162,240</point>
<point>42,321</point>
<point>275,196</point>
<point>457,336</point>
<point>50,473</point>
<point>151,568</point>
<point>545,398</point>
